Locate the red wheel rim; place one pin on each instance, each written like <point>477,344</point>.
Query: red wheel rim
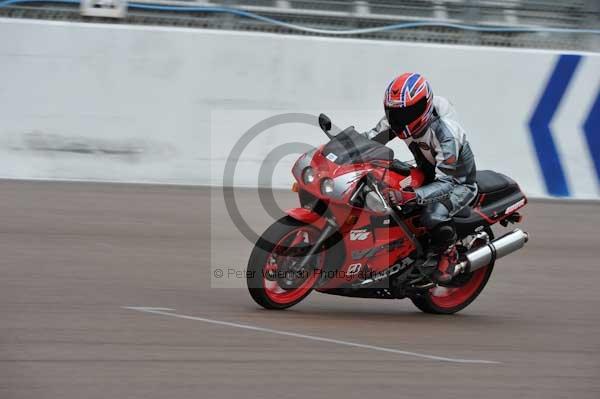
<point>290,241</point>
<point>450,297</point>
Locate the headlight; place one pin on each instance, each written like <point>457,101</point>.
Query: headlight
<point>308,175</point>
<point>326,186</point>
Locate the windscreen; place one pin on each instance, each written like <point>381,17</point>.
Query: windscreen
<point>349,146</point>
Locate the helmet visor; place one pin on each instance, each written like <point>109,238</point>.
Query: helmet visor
<point>403,116</point>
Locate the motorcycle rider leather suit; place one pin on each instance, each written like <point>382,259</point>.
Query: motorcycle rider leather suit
<point>442,152</point>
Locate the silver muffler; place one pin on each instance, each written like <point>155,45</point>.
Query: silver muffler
<point>500,247</point>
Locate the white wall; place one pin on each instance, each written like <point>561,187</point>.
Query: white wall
<point>132,103</point>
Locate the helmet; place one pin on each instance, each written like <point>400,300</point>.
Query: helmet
<point>408,104</point>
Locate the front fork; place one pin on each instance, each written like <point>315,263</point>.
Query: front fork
<point>330,228</point>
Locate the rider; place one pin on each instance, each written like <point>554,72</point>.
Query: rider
<point>429,126</point>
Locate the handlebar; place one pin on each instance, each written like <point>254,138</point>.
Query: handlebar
<point>402,168</point>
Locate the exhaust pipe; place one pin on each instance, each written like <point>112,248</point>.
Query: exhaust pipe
<point>496,249</point>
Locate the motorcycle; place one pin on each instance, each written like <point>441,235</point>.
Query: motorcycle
<point>346,239</point>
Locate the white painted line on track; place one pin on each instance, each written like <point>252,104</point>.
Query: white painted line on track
<point>168,312</point>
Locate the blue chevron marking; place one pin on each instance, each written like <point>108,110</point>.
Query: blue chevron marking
<point>545,147</point>
<point>591,127</point>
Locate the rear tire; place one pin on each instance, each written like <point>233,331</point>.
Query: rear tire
<point>428,302</point>
<point>262,253</point>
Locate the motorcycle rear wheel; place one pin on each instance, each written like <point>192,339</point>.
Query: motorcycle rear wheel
<point>281,245</point>
<point>449,300</point>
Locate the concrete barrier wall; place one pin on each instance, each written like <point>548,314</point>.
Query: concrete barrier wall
<point>132,103</point>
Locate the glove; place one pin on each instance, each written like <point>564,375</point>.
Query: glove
<point>406,196</point>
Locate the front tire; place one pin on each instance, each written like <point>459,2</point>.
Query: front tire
<point>449,300</point>
<point>282,244</point>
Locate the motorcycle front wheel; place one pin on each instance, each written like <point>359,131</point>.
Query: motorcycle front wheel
<point>273,278</point>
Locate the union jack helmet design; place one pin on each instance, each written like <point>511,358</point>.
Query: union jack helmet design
<point>408,104</point>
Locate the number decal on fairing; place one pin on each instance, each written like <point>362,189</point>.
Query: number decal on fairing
<point>353,269</point>
<point>331,156</point>
<point>359,235</point>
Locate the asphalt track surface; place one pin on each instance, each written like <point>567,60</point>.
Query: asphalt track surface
<point>75,255</point>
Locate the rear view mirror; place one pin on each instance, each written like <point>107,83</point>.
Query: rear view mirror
<point>324,122</point>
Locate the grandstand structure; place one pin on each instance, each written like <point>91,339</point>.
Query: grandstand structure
<point>519,23</point>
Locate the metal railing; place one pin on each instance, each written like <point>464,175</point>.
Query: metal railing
<point>516,23</point>
<point>551,13</point>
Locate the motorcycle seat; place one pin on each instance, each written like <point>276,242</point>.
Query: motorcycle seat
<point>489,181</point>
<point>496,192</point>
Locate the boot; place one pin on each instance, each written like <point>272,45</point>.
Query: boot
<point>446,264</point>
<point>443,256</point>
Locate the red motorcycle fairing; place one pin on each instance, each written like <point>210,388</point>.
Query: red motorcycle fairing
<point>371,241</point>
<point>370,246</point>
<point>347,176</point>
